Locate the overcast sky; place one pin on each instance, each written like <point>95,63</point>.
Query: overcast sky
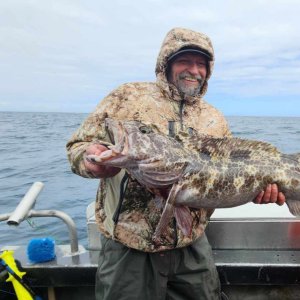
<point>65,56</point>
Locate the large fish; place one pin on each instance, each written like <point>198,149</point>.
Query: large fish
<point>199,171</point>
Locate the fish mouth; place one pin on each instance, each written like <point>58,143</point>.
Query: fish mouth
<point>119,137</point>
<point>149,170</point>
<point>117,153</point>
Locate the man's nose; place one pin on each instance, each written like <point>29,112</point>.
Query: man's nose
<point>193,69</point>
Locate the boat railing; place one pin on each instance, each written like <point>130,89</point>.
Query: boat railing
<point>24,210</point>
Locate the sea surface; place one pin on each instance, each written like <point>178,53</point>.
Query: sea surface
<point>32,148</point>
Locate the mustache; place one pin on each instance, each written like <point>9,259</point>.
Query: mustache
<point>184,75</point>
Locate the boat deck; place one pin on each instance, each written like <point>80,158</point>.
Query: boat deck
<point>256,259</point>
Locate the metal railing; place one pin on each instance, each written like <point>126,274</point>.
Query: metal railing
<point>24,211</point>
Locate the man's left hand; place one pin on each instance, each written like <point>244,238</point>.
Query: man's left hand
<point>270,195</point>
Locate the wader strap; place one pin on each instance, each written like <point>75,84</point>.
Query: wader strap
<point>123,187</point>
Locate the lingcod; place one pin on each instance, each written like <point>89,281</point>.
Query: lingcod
<point>198,171</point>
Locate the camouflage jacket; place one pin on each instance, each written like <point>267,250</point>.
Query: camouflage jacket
<point>156,103</point>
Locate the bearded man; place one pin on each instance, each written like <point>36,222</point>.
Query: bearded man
<point>131,265</point>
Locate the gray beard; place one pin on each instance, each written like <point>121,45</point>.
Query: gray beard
<point>188,90</point>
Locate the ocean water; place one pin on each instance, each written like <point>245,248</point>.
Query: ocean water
<point>32,149</point>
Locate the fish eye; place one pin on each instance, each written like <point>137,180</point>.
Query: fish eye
<point>145,129</point>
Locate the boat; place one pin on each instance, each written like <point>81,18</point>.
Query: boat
<point>256,258</point>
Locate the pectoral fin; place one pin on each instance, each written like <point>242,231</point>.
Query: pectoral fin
<point>167,214</point>
<point>184,219</point>
<point>294,207</point>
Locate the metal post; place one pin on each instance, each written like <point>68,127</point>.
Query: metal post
<point>26,204</point>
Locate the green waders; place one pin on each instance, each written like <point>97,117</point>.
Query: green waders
<point>181,274</point>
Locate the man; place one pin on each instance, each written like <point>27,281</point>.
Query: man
<point>131,266</point>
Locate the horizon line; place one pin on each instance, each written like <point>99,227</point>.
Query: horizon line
<point>226,115</point>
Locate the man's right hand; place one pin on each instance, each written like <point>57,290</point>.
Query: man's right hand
<point>98,171</point>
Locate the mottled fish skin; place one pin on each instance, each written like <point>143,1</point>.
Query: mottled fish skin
<point>200,171</point>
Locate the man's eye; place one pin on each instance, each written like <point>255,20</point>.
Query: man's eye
<point>145,129</point>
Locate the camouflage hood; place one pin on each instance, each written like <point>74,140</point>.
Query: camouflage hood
<point>175,40</point>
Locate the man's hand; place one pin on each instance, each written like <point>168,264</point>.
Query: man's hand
<point>98,170</point>
<point>270,195</point>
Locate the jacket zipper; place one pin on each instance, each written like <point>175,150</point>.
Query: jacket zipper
<point>181,109</point>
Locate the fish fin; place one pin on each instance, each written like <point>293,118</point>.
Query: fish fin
<point>294,207</point>
<point>160,181</point>
<point>163,223</point>
<point>153,177</point>
<point>167,213</point>
<point>297,155</point>
<point>184,219</point>
<point>224,148</point>
<point>294,156</point>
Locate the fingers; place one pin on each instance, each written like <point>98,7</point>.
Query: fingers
<point>270,195</point>
<point>100,171</point>
<point>274,193</point>
<point>92,167</point>
<point>267,194</point>
<point>259,197</point>
<point>95,149</point>
<point>281,199</point>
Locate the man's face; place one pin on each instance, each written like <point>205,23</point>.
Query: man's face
<point>187,72</point>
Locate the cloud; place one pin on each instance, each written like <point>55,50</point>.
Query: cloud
<point>76,50</point>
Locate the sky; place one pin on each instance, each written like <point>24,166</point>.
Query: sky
<point>66,55</point>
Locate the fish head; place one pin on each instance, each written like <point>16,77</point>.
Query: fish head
<point>141,142</point>
<point>140,148</point>
<point>132,139</point>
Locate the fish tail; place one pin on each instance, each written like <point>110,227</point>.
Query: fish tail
<point>294,205</point>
